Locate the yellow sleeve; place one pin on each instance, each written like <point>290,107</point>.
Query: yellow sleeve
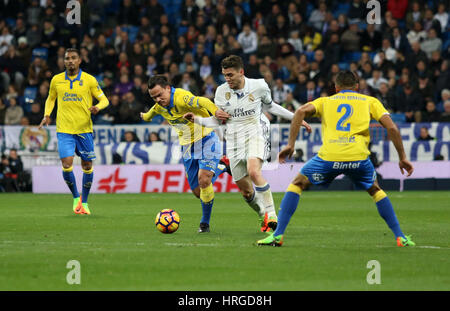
<point>97,92</point>
<point>377,109</point>
<point>207,104</point>
<point>148,116</point>
<point>193,102</point>
<point>318,104</point>
<point>50,102</point>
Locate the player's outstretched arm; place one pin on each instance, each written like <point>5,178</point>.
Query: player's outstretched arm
<point>210,122</point>
<point>282,112</point>
<point>396,138</point>
<point>300,114</point>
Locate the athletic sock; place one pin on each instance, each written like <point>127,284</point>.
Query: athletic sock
<point>386,211</point>
<point>207,201</point>
<point>253,202</point>
<point>266,198</point>
<point>287,208</point>
<point>69,178</point>
<point>88,176</point>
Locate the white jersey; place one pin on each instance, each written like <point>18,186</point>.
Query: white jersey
<point>248,124</point>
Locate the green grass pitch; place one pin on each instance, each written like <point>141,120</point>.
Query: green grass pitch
<point>328,244</point>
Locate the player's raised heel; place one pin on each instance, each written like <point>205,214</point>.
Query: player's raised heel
<point>402,242</point>
<point>204,227</point>
<point>271,240</point>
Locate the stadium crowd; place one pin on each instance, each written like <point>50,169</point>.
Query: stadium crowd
<point>297,46</point>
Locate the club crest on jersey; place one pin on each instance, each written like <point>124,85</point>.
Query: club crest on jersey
<point>227,95</point>
<point>251,97</point>
<point>81,82</point>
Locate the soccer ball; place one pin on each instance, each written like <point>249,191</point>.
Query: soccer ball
<point>167,221</point>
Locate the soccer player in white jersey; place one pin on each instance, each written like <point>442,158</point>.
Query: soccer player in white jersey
<point>247,134</point>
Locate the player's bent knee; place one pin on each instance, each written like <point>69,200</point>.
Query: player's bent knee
<point>204,180</point>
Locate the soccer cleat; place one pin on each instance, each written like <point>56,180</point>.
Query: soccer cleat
<point>225,161</point>
<point>264,223</point>
<point>85,209</point>
<point>77,206</point>
<point>271,240</point>
<point>402,242</point>
<point>204,227</point>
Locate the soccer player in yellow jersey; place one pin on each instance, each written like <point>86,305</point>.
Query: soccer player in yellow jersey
<point>345,137</point>
<point>200,146</point>
<point>74,90</point>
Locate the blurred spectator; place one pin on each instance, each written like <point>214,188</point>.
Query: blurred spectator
<point>445,96</point>
<point>356,11</point>
<point>398,8</point>
<point>130,109</point>
<point>317,17</point>
<point>280,91</point>
<point>248,40</point>
<point>6,39</point>
<point>124,86</point>
<point>252,68</point>
<point>129,137</point>
<point>442,16</point>
<point>399,41</point>
<point>35,115</point>
<point>111,115</point>
<point>189,84</point>
<point>209,87</point>
<point>295,41</point>
<point>298,155</point>
<point>387,97</point>
<point>430,114</point>
<point>415,15</point>
<point>13,113</point>
<point>431,43</point>
<point>350,38</point>
<point>154,137</point>
<point>312,39</point>
<point>128,13</point>
<point>370,39</point>
<point>2,111</point>
<point>416,34</point>
<point>445,117</point>
<point>410,104</point>
<point>424,135</point>
<point>376,79</point>
<point>7,183</point>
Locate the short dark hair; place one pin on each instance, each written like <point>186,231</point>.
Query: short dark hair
<point>158,80</point>
<point>73,50</point>
<point>232,61</point>
<point>346,78</point>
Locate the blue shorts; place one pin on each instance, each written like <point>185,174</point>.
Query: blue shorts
<point>204,154</point>
<point>321,172</point>
<point>80,144</point>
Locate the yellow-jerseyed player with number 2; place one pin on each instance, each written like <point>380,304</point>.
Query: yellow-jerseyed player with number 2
<point>74,90</point>
<point>345,135</point>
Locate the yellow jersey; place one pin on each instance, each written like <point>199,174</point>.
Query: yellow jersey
<point>74,96</point>
<point>182,102</point>
<point>345,124</point>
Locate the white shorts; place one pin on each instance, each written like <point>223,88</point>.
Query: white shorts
<point>257,147</point>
